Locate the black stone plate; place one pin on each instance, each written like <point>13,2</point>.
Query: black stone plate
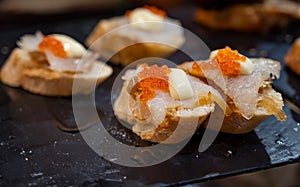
<point>35,151</point>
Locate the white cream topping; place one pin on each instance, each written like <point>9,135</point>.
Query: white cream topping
<point>179,85</point>
<point>144,19</point>
<point>246,68</point>
<point>73,48</point>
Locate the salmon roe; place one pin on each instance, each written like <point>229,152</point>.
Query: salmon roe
<point>156,10</point>
<point>52,44</point>
<point>229,61</point>
<point>153,78</point>
<point>153,9</point>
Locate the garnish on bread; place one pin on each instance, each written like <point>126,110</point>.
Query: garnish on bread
<point>47,65</point>
<point>164,104</point>
<point>141,32</point>
<point>247,84</point>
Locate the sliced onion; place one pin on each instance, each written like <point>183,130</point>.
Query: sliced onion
<point>272,102</point>
<point>31,42</point>
<point>71,64</point>
<point>221,102</point>
<point>272,107</point>
<point>158,111</point>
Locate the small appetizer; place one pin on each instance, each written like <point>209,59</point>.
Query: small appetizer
<point>288,8</point>
<point>247,85</point>
<point>244,16</point>
<point>46,65</point>
<point>292,58</point>
<point>145,32</point>
<point>155,99</point>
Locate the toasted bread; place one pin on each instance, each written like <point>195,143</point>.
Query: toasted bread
<point>178,124</point>
<point>30,71</point>
<point>235,123</point>
<point>175,128</point>
<point>268,103</point>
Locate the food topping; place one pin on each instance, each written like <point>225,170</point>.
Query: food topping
<point>149,85</point>
<point>147,18</point>
<point>52,44</point>
<point>153,78</point>
<point>242,90</point>
<point>62,46</point>
<point>179,85</point>
<point>153,9</point>
<point>62,52</point>
<point>231,62</point>
<point>156,10</point>
<point>73,48</point>
<point>154,71</point>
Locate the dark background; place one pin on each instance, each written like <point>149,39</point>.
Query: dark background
<point>34,151</point>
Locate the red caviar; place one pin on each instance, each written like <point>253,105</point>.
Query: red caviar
<point>153,78</point>
<point>229,61</point>
<point>153,9</point>
<point>52,44</point>
<point>148,86</point>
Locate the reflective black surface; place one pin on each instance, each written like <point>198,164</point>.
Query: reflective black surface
<point>35,151</point>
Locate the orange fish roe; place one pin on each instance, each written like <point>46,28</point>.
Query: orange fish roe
<point>148,86</point>
<point>229,61</point>
<point>153,9</point>
<point>52,44</point>
<point>154,71</point>
<point>156,10</point>
<point>153,78</point>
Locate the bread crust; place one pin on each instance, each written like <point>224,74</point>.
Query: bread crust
<point>172,129</point>
<point>23,69</point>
<point>236,123</point>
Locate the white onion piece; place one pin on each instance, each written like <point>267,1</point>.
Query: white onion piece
<point>71,64</point>
<point>31,42</point>
<point>132,73</point>
<point>73,48</point>
<point>131,77</point>
<point>158,110</point>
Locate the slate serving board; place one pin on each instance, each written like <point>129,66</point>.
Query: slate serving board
<point>34,151</point>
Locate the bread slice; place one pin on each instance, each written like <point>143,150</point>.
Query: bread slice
<point>124,47</point>
<point>268,102</point>
<point>178,124</point>
<point>175,127</point>
<point>235,123</point>
<point>30,71</point>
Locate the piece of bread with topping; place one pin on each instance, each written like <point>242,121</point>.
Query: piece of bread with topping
<point>246,83</point>
<point>48,65</point>
<point>140,33</point>
<point>163,105</point>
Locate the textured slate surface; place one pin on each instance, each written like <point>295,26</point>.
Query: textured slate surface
<point>33,151</point>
